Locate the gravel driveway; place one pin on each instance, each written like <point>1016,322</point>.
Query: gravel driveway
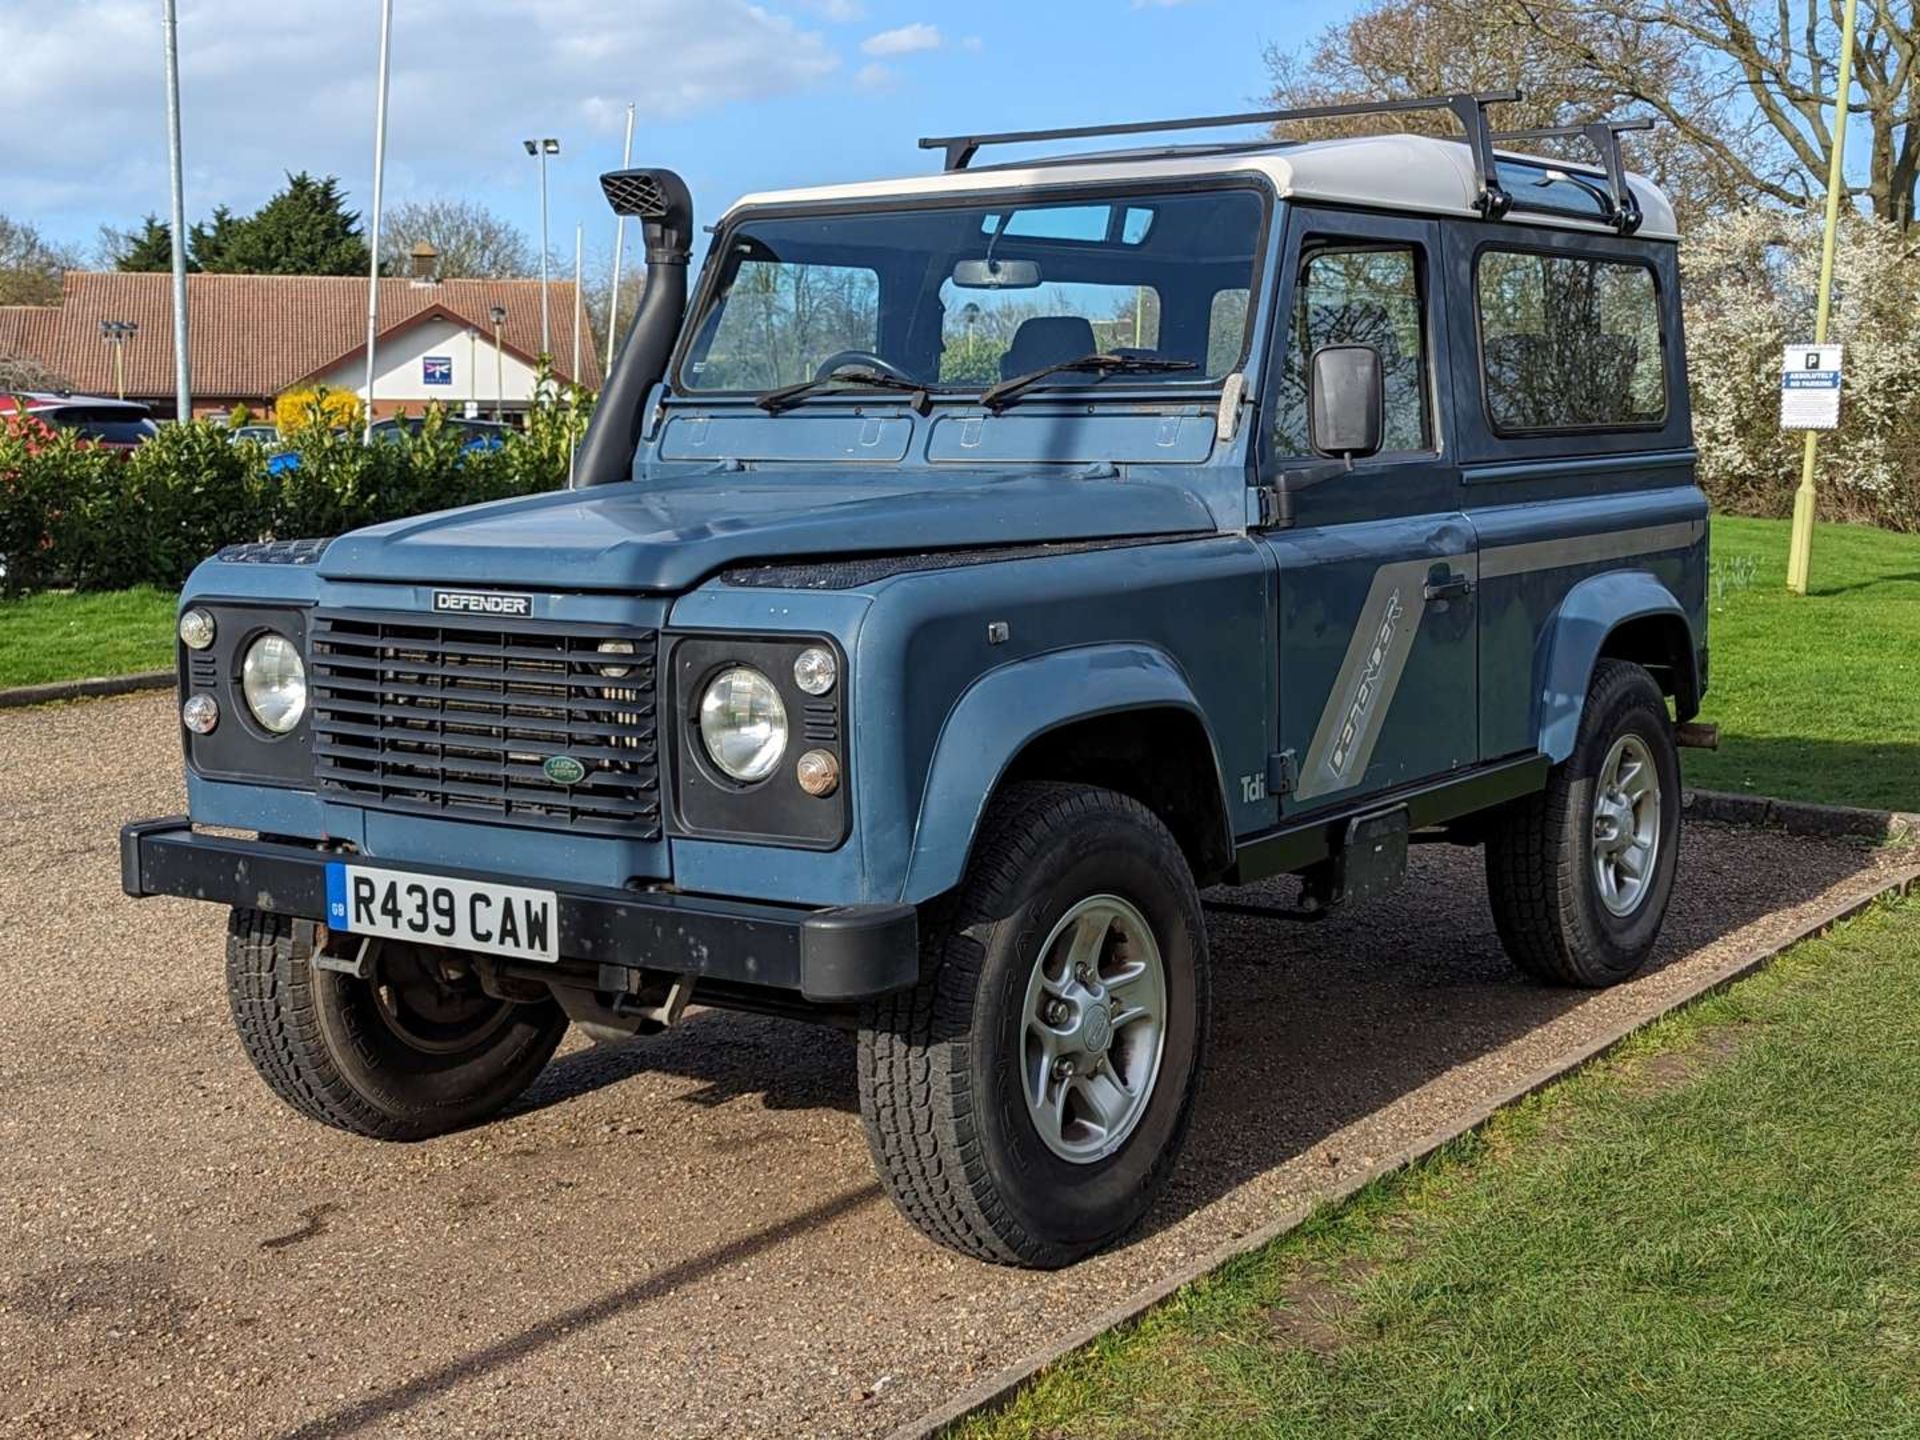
<point>680,1237</point>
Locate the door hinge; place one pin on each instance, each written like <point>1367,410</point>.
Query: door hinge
<point>1267,510</point>
<point>1280,774</point>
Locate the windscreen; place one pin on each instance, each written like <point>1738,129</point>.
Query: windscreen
<point>962,296</point>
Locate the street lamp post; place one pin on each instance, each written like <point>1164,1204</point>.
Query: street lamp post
<point>116,333</point>
<point>542,149</point>
<point>498,315</point>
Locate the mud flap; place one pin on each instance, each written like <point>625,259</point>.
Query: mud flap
<point>1371,861</point>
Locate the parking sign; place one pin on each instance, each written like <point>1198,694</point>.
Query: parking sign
<point>1810,388</point>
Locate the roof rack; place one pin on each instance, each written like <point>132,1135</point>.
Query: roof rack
<point>1604,136</point>
<point>1469,109</point>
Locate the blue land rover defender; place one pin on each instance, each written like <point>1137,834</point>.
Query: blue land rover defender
<point>968,573</point>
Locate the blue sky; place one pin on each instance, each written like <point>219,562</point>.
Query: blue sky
<point>735,94</point>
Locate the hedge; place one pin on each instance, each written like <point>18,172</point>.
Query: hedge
<point>73,514</point>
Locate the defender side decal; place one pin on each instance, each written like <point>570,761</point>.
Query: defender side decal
<point>1369,674</point>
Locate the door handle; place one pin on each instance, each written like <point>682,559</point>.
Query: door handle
<point>1449,587</point>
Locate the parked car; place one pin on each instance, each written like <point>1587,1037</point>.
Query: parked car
<point>978,569</point>
<point>116,424</point>
<point>475,434</point>
<point>268,435</point>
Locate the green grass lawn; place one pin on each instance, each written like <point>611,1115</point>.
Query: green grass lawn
<point>1715,1233</point>
<point>71,637</point>
<point>1816,698</point>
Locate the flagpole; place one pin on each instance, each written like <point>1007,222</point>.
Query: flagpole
<point>579,232</point>
<point>373,228</point>
<point>182,351</point>
<point>619,245</point>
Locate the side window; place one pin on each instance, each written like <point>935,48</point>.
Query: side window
<point>1569,343</point>
<point>1366,296</point>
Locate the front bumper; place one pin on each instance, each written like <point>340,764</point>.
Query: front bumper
<point>832,955</point>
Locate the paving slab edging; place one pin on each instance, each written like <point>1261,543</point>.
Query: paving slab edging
<point>86,689</point>
<point>1002,1388</point>
<point>1799,817</point>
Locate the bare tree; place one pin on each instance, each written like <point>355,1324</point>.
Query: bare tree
<point>30,265</point>
<point>22,373</point>
<point>474,243</point>
<point>1779,60</point>
<point>1744,87</point>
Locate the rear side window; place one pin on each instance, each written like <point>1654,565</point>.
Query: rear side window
<point>1570,343</point>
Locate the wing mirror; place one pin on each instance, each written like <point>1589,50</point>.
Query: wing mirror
<point>1346,402</point>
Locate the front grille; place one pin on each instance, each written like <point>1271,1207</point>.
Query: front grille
<point>453,717</point>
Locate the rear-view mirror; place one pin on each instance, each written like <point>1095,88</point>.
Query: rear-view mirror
<point>996,274</point>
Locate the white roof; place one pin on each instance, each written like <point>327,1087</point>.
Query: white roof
<point>1419,173</point>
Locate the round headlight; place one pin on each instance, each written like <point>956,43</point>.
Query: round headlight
<point>196,629</point>
<point>274,682</point>
<point>814,670</point>
<point>743,723</point>
<point>200,714</point>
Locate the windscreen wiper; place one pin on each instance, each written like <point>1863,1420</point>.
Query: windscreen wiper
<point>998,397</point>
<point>851,377</point>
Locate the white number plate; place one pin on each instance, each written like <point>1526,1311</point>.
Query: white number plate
<point>439,910</point>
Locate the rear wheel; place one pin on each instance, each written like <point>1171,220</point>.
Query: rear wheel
<point>1581,873</point>
<point>414,1050</point>
<point>1027,1100</point>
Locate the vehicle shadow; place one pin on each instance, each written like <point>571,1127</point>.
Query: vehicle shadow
<point>372,1413</point>
<point>1315,1026</point>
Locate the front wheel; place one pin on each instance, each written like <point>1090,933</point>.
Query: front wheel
<point>1025,1103</point>
<point>1580,874</point>
<point>416,1049</point>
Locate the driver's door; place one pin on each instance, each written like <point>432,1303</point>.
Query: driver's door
<point>1378,653</point>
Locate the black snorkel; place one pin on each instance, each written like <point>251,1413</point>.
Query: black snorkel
<point>659,199</point>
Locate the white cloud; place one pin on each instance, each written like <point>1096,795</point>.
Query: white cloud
<point>876,78</point>
<point>903,41</point>
<point>292,86</point>
<point>840,12</point>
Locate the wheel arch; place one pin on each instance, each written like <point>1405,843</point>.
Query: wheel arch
<point>1624,615</point>
<point>1120,716</point>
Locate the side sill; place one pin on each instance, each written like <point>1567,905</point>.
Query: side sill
<point>1301,843</point>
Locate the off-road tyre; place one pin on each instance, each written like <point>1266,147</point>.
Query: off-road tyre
<point>1540,874</point>
<point>318,1040</point>
<point>940,1089</point>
